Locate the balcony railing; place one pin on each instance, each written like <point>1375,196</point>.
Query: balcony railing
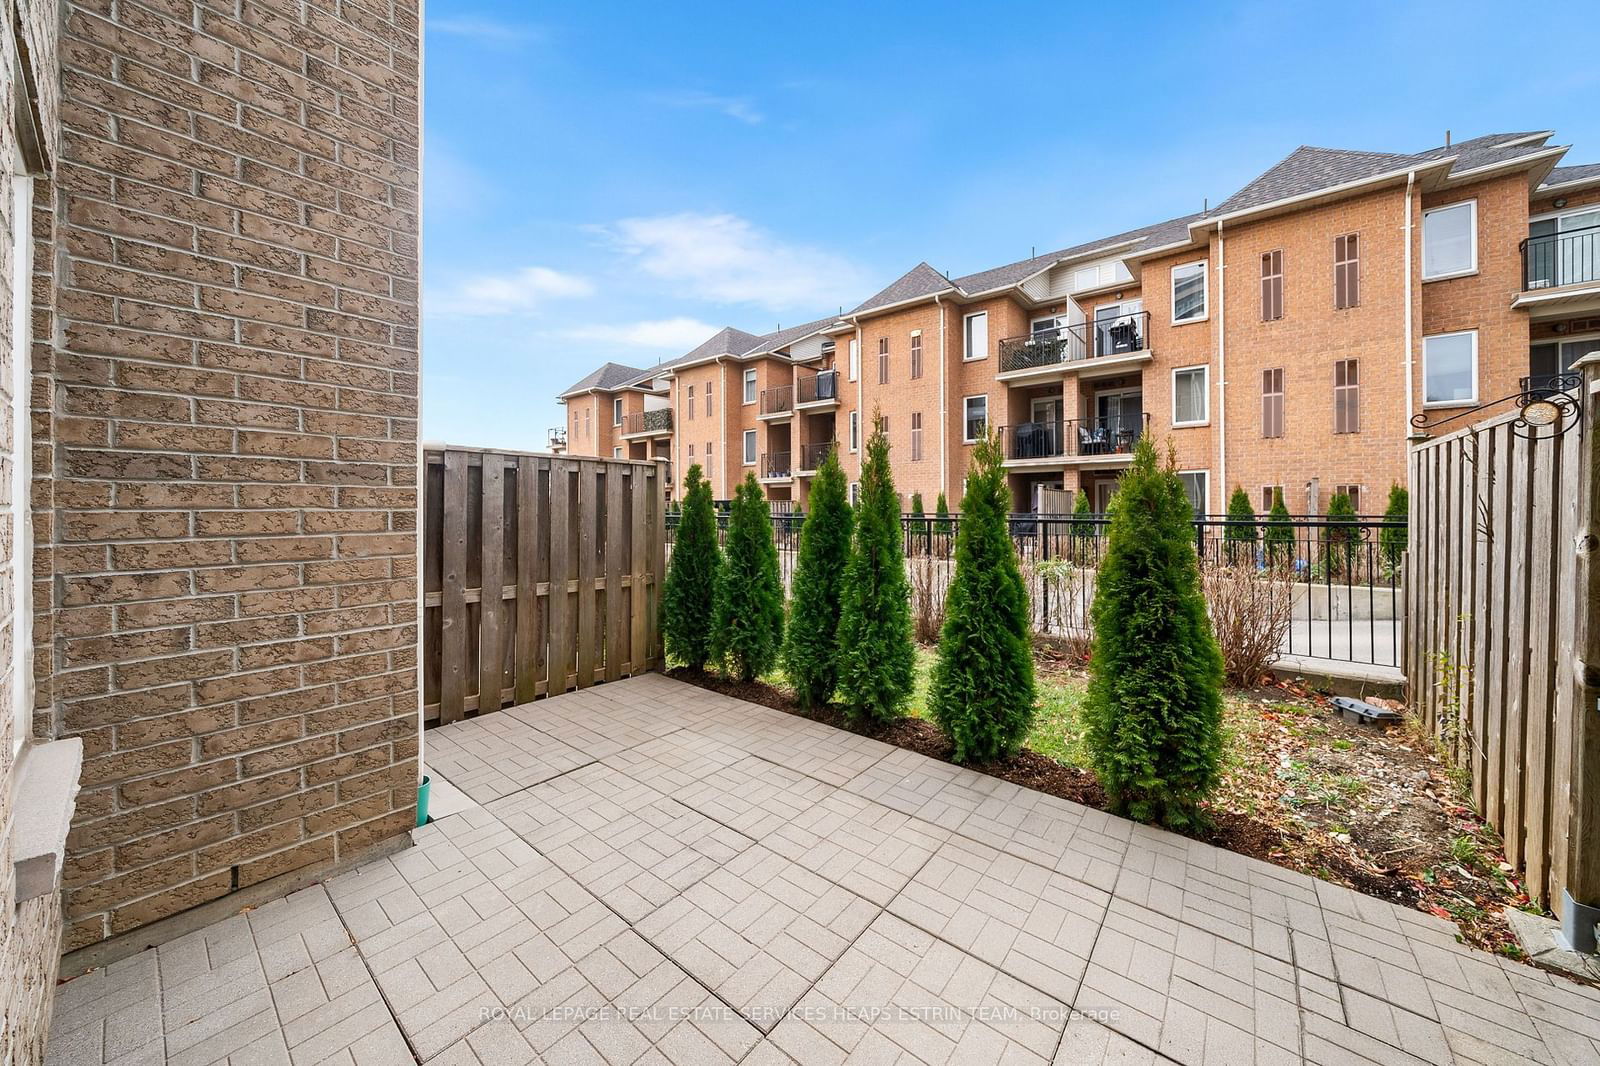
<point>1561,258</point>
<point>1542,386</point>
<point>777,400</point>
<point>657,421</point>
<point>1114,335</point>
<point>558,438</point>
<point>823,385</point>
<point>811,455</point>
<point>775,464</point>
<point>1074,438</point>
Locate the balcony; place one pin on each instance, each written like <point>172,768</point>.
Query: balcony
<point>1089,440</point>
<point>1557,260</point>
<point>558,440</point>
<point>775,467</point>
<point>777,403</point>
<point>817,391</point>
<point>1107,344</point>
<point>656,423</point>
<point>811,455</point>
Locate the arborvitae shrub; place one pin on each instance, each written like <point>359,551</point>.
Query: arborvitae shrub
<point>941,517</point>
<point>1239,536</point>
<point>747,626</point>
<point>982,692</point>
<point>921,534</point>
<point>1153,714</point>
<point>1339,536</point>
<point>689,593</point>
<point>1082,528</point>
<point>876,655</point>
<point>1279,533</point>
<point>810,649</point>
<point>1392,540</point>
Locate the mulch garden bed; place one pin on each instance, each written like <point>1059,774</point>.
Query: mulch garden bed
<point>1376,810</point>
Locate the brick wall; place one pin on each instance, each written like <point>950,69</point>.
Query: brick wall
<point>233,441</point>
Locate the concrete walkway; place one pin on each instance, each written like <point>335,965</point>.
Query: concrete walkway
<point>650,872</point>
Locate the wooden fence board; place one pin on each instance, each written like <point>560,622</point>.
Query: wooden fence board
<point>1536,713</point>
<point>588,547</point>
<point>527,667</point>
<point>559,665</point>
<point>641,483</point>
<point>1494,661</point>
<point>453,639</point>
<point>615,558</point>
<point>491,608</point>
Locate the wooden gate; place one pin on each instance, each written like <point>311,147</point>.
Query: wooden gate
<point>1500,620</point>
<point>541,574</point>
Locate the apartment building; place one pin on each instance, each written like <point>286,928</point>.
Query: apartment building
<point>1284,338</point>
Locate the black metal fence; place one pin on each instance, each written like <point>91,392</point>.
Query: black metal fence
<point>1344,572</point>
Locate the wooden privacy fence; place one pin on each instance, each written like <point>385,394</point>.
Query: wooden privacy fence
<point>1499,622</point>
<point>540,574</point>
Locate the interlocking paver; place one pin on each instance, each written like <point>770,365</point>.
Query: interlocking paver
<point>495,755</point>
<point>665,874</point>
<point>1024,919</point>
<point>900,994</point>
<point>753,796</point>
<point>759,931</point>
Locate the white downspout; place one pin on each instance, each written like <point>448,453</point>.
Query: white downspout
<point>1222,367</point>
<point>862,429</point>
<point>944,409</point>
<point>1410,387</point>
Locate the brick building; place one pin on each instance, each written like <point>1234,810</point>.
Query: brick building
<point>211,365</point>
<point>1284,338</point>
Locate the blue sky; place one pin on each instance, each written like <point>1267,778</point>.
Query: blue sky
<point>610,180</point>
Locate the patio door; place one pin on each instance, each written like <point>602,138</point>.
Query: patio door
<point>1564,249</point>
<point>1120,412</point>
<point>1116,328</point>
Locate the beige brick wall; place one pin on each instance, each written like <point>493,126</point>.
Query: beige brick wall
<point>234,438</point>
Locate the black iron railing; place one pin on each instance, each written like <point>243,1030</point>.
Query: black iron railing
<point>1112,335</point>
<point>775,464</point>
<point>777,400</point>
<point>657,421</point>
<point>811,455</point>
<point>1075,437</point>
<point>1556,259</point>
<point>558,438</point>
<point>1538,386</point>
<point>823,385</point>
<point>1120,334</point>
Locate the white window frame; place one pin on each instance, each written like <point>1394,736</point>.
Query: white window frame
<point>916,436</point>
<point>750,452</point>
<point>855,431</point>
<point>966,337</point>
<point>1205,420</point>
<point>1205,495</point>
<point>616,410</point>
<point>1468,401</point>
<point>966,419</point>
<point>855,358</point>
<point>1468,271</point>
<point>616,453</point>
<point>855,493</point>
<point>750,383</point>
<point>1205,292</point>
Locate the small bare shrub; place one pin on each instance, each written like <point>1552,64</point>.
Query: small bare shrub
<point>1251,611</point>
<point>1063,592</point>
<point>928,580</point>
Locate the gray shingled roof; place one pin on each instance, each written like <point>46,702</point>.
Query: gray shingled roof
<point>771,342</point>
<point>1307,170</point>
<point>1581,172</point>
<point>920,280</point>
<point>1174,229</point>
<point>609,376</point>
<point>726,341</point>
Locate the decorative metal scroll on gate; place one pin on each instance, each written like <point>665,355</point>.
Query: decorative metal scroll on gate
<point>1547,406</point>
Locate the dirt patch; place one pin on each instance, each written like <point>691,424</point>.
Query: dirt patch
<point>1374,809</point>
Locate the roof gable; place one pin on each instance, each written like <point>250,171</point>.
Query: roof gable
<point>609,376</point>
<point>920,280</point>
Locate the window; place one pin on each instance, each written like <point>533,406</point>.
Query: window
<point>855,431</point>
<point>883,360</point>
<point>916,435</point>
<point>616,453</point>
<point>916,354</point>
<point>1346,397</point>
<point>691,453</point>
<point>1352,491</point>
<point>1346,271</point>
<point>1269,494</point>
<point>708,453</point>
<point>691,403</point>
<point>588,422</point>
<point>1450,240</point>
<point>616,411</point>
<point>750,385</point>
<point>1194,485</point>
<point>1450,369</point>
<point>855,359</point>
<point>855,493</point>
<point>1272,286</point>
<point>1189,292</point>
<point>749,447</point>
<point>976,418</point>
<point>1272,402</point>
<point>1191,389</point>
<point>708,397</point>
<point>975,331</point>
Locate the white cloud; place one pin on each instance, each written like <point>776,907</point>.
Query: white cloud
<point>740,108</point>
<point>678,334</point>
<point>483,30</point>
<point>518,293</point>
<point>726,259</point>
